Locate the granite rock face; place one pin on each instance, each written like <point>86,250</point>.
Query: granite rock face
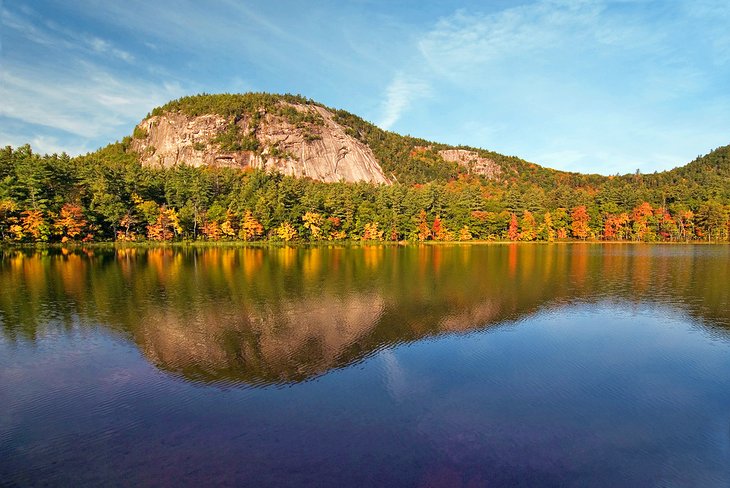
<point>473,161</point>
<point>316,147</point>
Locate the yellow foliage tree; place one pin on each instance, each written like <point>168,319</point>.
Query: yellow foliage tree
<point>7,220</point>
<point>548,227</point>
<point>228,227</point>
<point>166,226</point>
<point>250,227</point>
<point>286,232</point>
<point>126,223</point>
<point>465,234</point>
<point>313,223</point>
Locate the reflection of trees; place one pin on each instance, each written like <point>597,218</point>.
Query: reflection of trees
<point>265,315</point>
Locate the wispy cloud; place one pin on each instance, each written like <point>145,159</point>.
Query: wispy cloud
<point>594,85</point>
<point>86,101</point>
<point>576,84</point>
<point>50,34</point>
<point>399,95</point>
<point>78,90</point>
<point>42,144</point>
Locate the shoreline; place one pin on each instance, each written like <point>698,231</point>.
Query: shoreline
<point>304,244</point>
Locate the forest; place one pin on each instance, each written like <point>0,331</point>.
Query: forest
<point>108,195</point>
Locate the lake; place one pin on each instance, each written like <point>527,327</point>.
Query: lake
<point>431,365</point>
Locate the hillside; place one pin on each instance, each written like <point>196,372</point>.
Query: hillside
<point>299,137</point>
<point>281,167</point>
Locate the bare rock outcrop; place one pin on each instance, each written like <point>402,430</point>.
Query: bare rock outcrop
<point>313,146</point>
<point>473,161</point>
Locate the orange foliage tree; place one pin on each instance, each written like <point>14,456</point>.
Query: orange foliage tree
<point>423,229</point>
<point>372,233</point>
<point>165,227</point>
<point>212,230</point>
<point>250,227</point>
<point>640,216</point>
<point>513,232</point>
<point>35,225</point>
<point>579,225</point>
<point>614,226</point>
<point>70,222</point>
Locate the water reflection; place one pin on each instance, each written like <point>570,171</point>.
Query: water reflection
<point>279,315</point>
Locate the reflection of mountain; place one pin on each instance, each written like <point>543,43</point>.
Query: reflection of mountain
<point>305,339</point>
<point>263,316</point>
<point>301,339</point>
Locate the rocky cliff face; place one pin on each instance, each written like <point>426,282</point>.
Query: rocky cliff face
<point>473,161</point>
<point>297,140</point>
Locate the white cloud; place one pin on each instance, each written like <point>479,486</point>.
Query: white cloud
<point>461,43</point>
<point>594,85</point>
<point>104,47</point>
<point>399,95</point>
<point>55,36</point>
<point>45,144</point>
<point>85,100</point>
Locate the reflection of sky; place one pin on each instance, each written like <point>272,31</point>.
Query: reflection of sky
<point>606,393</point>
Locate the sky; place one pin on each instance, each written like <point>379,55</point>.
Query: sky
<point>593,86</point>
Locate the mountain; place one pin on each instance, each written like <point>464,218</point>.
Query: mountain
<point>297,139</point>
<point>302,138</point>
<point>282,167</point>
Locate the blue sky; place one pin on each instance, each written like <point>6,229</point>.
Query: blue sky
<point>586,85</point>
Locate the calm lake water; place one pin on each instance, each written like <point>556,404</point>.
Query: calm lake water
<point>464,365</point>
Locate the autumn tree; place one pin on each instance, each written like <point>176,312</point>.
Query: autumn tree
<point>547,230</point>
<point>614,226</point>
<point>422,227</point>
<point>70,222</point>
<point>372,233</point>
<point>250,227</point>
<point>560,222</point>
<point>640,216</point>
<point>166,226</point>
<point>8,218</point>
<point>513,232</point>
<point>34,225</point>
<point>286,232</point>
<point>229,226</point>
<point>465,234</point>
<point>313,223</point>
<point>528,231</point>
<point>579,222</point>
<point>439,230</point>
<point>126,234</point>
<point>211,229</point>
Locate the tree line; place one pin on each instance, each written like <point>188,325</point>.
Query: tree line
<point>109,196</point>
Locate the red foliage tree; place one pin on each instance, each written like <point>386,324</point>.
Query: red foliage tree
<point>513,232</point>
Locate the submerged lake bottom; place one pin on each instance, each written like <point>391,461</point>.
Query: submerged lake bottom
<point>464,365</point>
